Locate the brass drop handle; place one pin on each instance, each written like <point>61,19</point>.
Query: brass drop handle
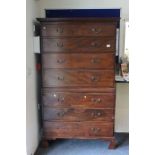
<point>93,78</point>
<point>96,114</point>
<point>94,44</point>
<point>61,78</point>
<point>60,44</point>
<point>59,30</point>
<point>95,60</point>
<point>62,113</point>
<point>60,61</point>
<point>96,100</point>
<point>99,114</point>
<point>93,114</point>
<point>96,30</point>
<point>61,99</point>
<point>95,130</point>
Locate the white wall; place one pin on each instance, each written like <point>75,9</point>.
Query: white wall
<point>90,4</point>
<point>32,130</point>
<point>122,107</point>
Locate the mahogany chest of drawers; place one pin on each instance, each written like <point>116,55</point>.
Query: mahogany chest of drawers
<point>78,78</point>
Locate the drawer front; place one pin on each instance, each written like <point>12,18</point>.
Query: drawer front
<point>77,114</point>
<point>78,44</point>
<point>75,99</point>
<point>78,78</point>
<point>81,60</point>
<point>87,29</point>
<point>78,129</point>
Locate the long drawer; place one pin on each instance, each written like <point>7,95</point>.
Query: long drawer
<point>91,44</point>
<point>78,129</point>
<point>78,78</point>
<point>78,60</point>
<point>77,114</point>
<point>78,29</point>
<point>77,99</point>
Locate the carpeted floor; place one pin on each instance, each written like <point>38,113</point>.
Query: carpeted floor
<point>87,147</point>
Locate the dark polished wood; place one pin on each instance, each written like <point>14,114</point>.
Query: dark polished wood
<point>44,143</point>
<point>75,99</point>
<point>81,90</point>
<point>78,60</point>
<point>113,143</point>
<point>78,129</point>
<point>82,20</point>
<point>78,78</point>
<point>77,114</point>
<point>95,44</point>
<point>77,30</point>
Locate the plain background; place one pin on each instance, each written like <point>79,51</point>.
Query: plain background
<point>13,77</point>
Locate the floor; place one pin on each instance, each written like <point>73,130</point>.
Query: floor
<point>87,147</point>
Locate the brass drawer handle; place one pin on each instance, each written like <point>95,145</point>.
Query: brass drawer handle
<point>99,114</point>
<point>94,44</point>
<point>61,99</point>
<point>93,78</point>
<point>59,30</point>
<point>60,78</point>
<point>93,114</point>
<point>44,27</point>
<point>96,114</point>
<point>96,30</point>
<point>95,130</point>
<point>60,114</point>
<point>60,61</point>
<point>95,60</point>
<point>96,100</point>
<point>60,44</point>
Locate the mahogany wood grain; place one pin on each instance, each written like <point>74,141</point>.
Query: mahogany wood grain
<point>77,29</point>
<point>82,44</point>
<point>81,90</point>
<point>77,114</point>
<point>78,60</point>
<point>82,78</point>
<point>78,78</point>
<point>78,129</point>
<point>75,99</point>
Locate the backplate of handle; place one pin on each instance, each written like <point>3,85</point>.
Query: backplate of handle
<point>95,130</point>
<point>60,44</point>
<point>94,44</point>
<point>95,60</point>
<point>96,114</point>
<point>96,30</point>
<point>96,100</point>
<point>60,61</point>
<point>61,99</point>
<point>94,78</point>
<point>61,78</point>
<point>62,113</point>
<point>59,30</point>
